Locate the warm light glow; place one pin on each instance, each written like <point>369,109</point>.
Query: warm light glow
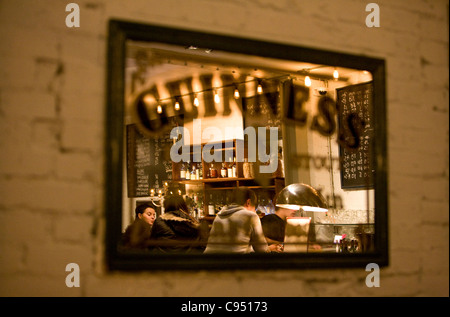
<point>287,206</point>
<point>197,90</point>
<point>305,208</point>
<point>148,99</point>
<point>236,94</point>
<point>336,74</point>
<point>196,102</point>
<point>259,89</point>
<point>307,81</point>
<point>315,209</point>
<point>216,97</point>
<point>298,221</point>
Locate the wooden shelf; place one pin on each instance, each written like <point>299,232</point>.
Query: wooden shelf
<point>270,184</point>
<point>220,179</point>
<point>211,180</point>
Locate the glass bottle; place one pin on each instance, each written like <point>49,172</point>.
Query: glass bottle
<point>248,169</point>
<point>195,206</point>
<point>197,171</point>
<point>212,171</point>
<point>223,171</point>
<point>200,171</point>
<point>192,205</point>
<point>211,206</point>
<point>234,168</point>
<point>193,172</point>
<point>183,171</point>
<point>188,171</point>
<point>230,168</point>
<point>200,203</point>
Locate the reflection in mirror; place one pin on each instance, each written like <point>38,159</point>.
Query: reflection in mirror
<point>201,123</point>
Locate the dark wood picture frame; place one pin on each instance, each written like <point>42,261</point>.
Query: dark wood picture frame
<point>121,31</point>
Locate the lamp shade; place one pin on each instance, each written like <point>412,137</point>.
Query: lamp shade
<point>301,196</point>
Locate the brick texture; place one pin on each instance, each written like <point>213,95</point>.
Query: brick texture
<point>52,87</point>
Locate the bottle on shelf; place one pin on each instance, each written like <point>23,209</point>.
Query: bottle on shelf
<point>211,207</point>
<point>234,168</point>
<point>197,171</point>
<point>200,204</point>
<point>223,171</point>
<point>190,200</point>
<point>188,171</point>
<point>212,171</point>
<point>230,168</point>
<point>183,171</point>
<point>248,169</point>
<point>195,208</point>
<point>200,171</point>
<point>193,172</point>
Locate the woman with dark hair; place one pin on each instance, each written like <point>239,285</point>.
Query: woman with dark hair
<point>176,231</point>
<point>137,234</point>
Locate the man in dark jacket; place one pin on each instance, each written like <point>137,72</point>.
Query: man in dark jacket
<point>274,225</point>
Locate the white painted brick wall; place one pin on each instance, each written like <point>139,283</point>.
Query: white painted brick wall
<point>52,86</point>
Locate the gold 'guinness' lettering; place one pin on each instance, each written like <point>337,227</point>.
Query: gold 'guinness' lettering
<point>295,97</point>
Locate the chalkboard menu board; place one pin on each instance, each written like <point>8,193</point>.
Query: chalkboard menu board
<point>148,162</point>
<point>354,104</point>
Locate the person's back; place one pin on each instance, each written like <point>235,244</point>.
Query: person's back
<point>237,227</point>
<point>274,228</point>
<point>176,231</point>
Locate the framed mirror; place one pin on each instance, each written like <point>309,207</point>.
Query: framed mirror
<point>206,117</point>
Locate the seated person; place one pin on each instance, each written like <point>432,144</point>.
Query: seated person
<point>137,234</point>
<point>237,228</point>
<point>176,231</point>
<point>274,226</point>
